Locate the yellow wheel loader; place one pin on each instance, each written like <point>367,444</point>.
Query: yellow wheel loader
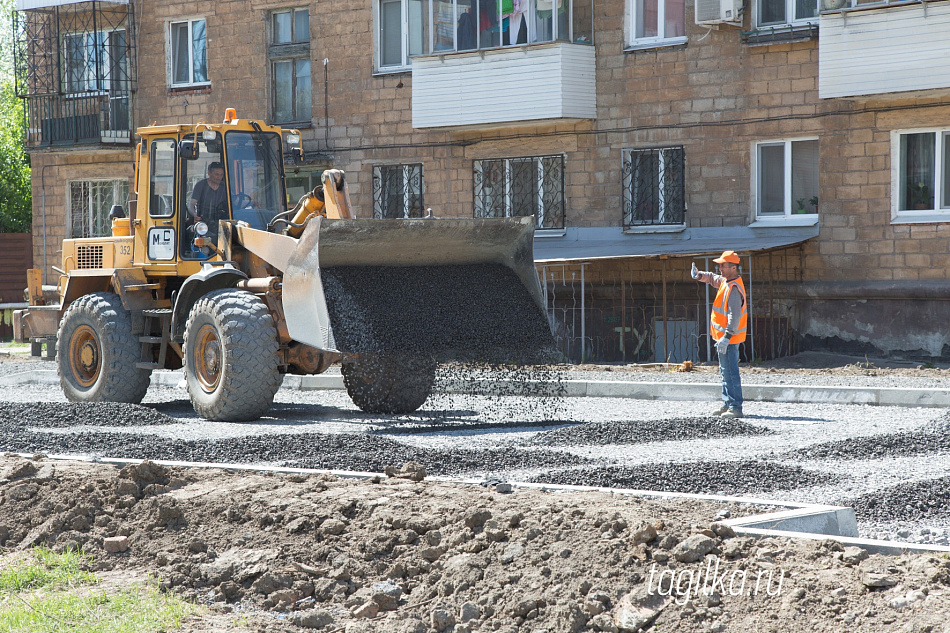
<point>211,272</point>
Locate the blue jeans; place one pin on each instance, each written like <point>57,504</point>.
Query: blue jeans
<point>731,384</point>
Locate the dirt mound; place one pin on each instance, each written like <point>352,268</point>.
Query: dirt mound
<point>313,552</point>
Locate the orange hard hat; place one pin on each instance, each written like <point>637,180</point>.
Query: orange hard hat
<point>728,256</point>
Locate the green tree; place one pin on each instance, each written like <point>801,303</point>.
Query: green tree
<point>16,199</point>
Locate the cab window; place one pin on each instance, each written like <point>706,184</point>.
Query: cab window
<point>161,182</point>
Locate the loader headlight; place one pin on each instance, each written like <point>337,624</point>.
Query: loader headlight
<point>201,228</point>
<point>293,139</point>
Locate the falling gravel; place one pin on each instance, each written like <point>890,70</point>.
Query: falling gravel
<point>934,438</point>
<point>913,501</point>
<point>640,432</point>
<point>702,477</point>
<point>474,313</point>
<point>70,414</point>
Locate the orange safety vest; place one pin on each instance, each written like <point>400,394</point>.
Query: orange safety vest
<point>720,316</point>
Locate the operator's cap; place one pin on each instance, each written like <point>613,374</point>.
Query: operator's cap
<point>728,256</point>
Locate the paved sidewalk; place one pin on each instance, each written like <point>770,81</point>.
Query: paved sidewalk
<point>830,394</point>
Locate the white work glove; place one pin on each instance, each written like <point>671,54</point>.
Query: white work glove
<point>694,272</point>
<point>722,344</point>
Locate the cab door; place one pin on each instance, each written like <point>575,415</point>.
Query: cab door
<point>157,238</point>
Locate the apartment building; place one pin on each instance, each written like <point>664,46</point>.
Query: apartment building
<point>642,134</point>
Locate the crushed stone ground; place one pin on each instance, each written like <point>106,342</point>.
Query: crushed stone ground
<point>291,553</point>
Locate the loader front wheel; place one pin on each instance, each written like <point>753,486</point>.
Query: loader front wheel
<point>98,352</point>
<point>231,356</point>
<point>389,385</point>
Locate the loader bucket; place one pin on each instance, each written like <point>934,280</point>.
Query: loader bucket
<point>461,289</point>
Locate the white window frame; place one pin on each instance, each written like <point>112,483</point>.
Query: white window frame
<point>940,212</point>
<point>789,10</point>
<point>634,42</point>
<point>87,209</point>
<point>170,57</point>
<point>103,43</point>
<point>788,217</point>
<point>403,39</point>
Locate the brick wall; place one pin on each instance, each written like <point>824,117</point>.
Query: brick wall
<point>52,173</point>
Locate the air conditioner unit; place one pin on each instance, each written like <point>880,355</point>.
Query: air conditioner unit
<point>719,12</point>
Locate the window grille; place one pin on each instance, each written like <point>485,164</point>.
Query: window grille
<point>654,187</point>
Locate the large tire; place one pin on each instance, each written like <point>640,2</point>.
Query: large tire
<point>98,352</point>
<point>231,356</point>
<point>388,385</point>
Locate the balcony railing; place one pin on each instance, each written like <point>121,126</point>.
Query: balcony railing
<point>77,119</point>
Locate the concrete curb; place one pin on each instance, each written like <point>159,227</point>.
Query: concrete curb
<point>800,521</point>
<point>878,396</point>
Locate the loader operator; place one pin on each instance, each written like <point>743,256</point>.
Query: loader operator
<point>209,200</point>
<point>728,323</point>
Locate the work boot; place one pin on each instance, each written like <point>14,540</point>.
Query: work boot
<point>720,410</point>
<point>732,414</point>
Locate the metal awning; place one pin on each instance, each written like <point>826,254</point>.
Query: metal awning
<point>585,244</point>
<point>25,5</point>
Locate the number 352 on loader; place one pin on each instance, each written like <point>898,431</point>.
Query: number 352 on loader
<point>237,290</point>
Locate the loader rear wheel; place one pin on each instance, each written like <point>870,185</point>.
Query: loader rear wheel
<point>389,385</point>
<point>231,356</point>
<point>98,352</point>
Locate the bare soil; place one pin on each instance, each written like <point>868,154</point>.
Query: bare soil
<point>296,552</point>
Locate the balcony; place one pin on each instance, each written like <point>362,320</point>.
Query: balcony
<point>881,48</point>
<point>548,82</point>
<point>75,71</point>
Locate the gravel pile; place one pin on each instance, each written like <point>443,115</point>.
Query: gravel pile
<point>702,477</point>
<point>358,452</point>
<point>70,414</point>
<point>430,311</point>
<point>913,501</point>
<point>934,438</point>
<point>640,432</point>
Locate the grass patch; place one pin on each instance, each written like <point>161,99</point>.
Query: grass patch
<point>53,592</point>
<point>46,569</point>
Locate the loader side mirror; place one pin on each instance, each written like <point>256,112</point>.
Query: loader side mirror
<point>188,149</point>
<point>297,153</point>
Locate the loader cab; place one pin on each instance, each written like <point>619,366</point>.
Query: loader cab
<point>237,177</point>
<point>227,171</point>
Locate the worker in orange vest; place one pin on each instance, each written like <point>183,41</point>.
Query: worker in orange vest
<point>727,325</point>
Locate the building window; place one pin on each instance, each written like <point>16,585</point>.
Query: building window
<point>510,187</point>
<point>289,53</point>
<point>398,191</point>
<point>90,202</point>
<point>189,53</point>
<point>922,179</point>
<point>773,12</point>
<point>95,61</point>
<point>654,190</point>
<point>786,178</point>
<point>421,27</point>
<point>299,181</point>
<point>656,22</point>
